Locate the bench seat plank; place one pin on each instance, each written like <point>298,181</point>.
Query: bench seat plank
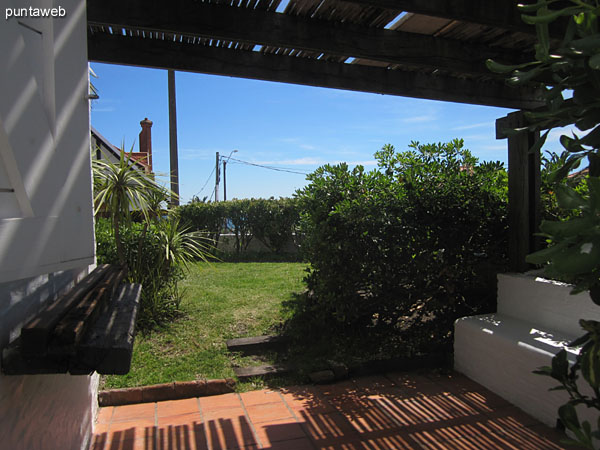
<point>71,328</point>
<point>108,346</point>
<point>36,334</point>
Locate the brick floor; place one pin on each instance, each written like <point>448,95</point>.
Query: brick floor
<point>395,411</point>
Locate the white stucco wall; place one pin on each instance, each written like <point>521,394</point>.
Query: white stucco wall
<point>46,219</point>
<point>536,318</point>
<point>42,411</point>
<point>46,214</point>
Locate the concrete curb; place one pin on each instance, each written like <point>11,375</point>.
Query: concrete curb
<point>167,391</point>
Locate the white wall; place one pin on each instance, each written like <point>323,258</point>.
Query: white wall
<point>46,224</point>
<point>46,217</point>
<point>42,411</point>
<point>536,318</point>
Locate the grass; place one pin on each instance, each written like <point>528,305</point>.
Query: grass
<point>221,301</point>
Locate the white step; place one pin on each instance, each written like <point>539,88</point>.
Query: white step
<point>548,303</point>
<point>536,318</point>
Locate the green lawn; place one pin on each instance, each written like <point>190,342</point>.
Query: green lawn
<point>221,301</point>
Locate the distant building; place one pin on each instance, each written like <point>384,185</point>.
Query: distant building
<point>103,149</point>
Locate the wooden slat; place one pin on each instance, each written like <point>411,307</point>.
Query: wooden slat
<point>255,344</point>
<point>498,13</point>
<point>71,328</point>
<point>255,65</point>
<point>107,347</point>
<point>16,362</point>
<point>35,335</point>
<point>308,34</point>
<point>268,370</point>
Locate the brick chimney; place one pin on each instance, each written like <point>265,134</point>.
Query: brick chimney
<point>146,142</point>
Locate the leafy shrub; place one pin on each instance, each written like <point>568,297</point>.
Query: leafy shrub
<point>273,221</point>
<point>551,163</point>
<point>574,239</point>
<point>155,256</point>
<point>154,250</point>
<point>159,301</point>
<point>238,221</point>
<point>202,216</point>
<point>397,254</point>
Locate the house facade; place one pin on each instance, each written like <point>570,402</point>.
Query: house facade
<point>142,160</point>
<point>46,212</point>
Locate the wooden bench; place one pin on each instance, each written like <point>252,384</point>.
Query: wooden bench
<point>90,328</point>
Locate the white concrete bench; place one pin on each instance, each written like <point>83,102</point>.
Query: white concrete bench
<point>535,319</point>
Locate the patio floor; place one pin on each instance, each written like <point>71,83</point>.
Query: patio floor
<point>392,411</point>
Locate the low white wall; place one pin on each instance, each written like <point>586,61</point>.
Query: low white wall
<point>42,411</point>
<point>534,299</point>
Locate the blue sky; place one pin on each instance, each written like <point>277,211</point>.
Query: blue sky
<point>290,127</point>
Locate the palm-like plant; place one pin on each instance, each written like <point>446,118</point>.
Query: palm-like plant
<point>120,189</point>
<point>181,246</point>
<point>163,246</point>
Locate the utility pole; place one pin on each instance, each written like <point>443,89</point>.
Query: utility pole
<point>217,179</point>
<point>225,160</point>
<point>224,181</point>
<point>174,164</point>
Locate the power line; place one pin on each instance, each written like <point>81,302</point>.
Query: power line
<point>278,169</point>
<point>207,180</point>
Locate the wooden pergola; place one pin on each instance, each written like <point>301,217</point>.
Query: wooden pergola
<point>431,49</point>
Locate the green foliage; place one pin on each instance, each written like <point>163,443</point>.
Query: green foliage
<point>237,214</point>
<point>156,255</point>
<point>201,216</point>
<point>272,221</point>
<point>576,250</point>
<point>119,190</point>
<point>160,299</point>
<point>587,364</point>
<point>551,162</point>
<point>156,250</point>
<point>571,99</point>
<point>571,81</point>
<point>397,254</point>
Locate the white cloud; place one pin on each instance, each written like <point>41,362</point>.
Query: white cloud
<point>554,135</point>
<point>419,119</point>
<point>289,140</point>
<point>475,125</point>
<point>198,154</point>
<point>307,161</point>
<point>307,147</point>
<point>370,162</point>
<point>478,137</point>
<point>315,162</point>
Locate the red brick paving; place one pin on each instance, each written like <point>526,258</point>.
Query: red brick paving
<point>393,412</point>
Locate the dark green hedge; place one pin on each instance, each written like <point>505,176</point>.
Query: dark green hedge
<point>272,221</point>
<point>397,254</point>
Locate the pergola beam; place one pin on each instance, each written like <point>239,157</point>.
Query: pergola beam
<point>524,210</point>
<point>498,13</point>
<point>165,54</point>
<point>284,31</point>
